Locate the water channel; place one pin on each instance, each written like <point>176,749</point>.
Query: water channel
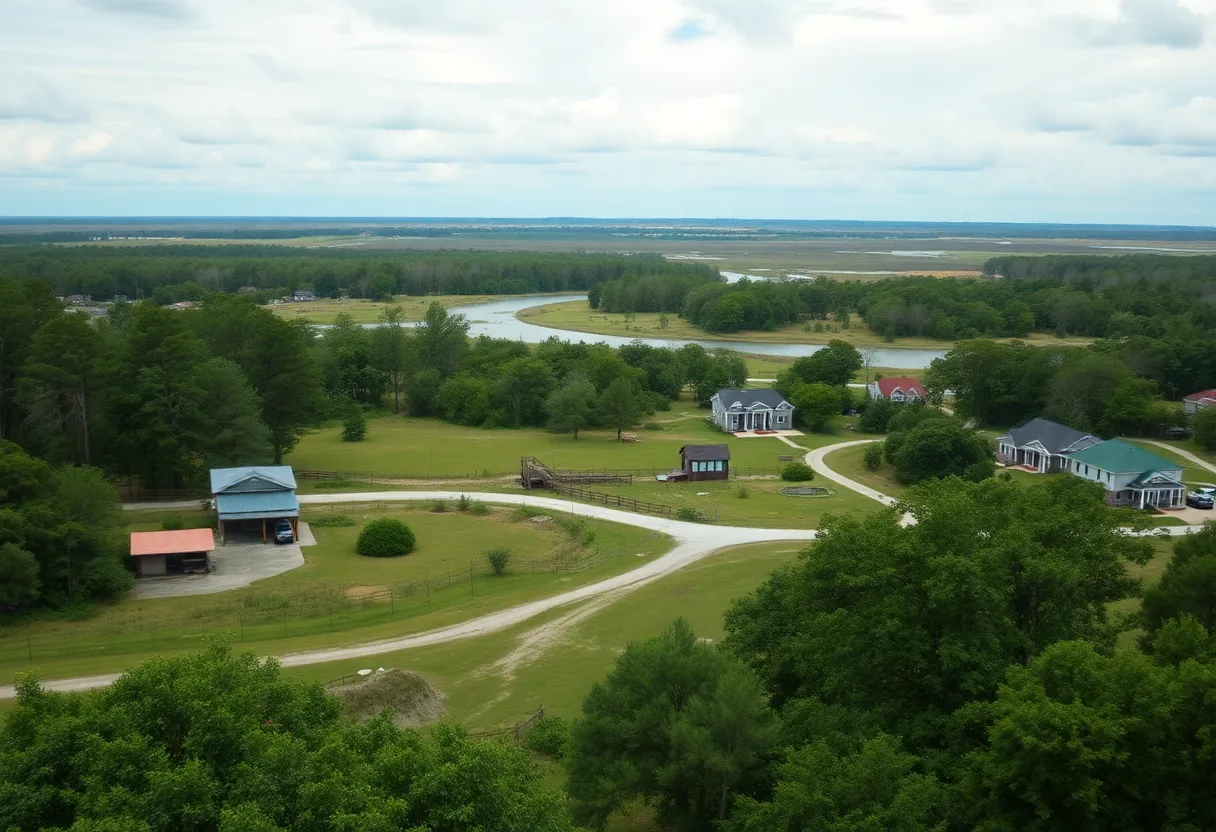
<point>497,319</point>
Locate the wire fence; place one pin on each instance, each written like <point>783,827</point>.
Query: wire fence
<point>315,610</point>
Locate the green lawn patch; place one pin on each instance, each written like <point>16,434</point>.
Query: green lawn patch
<point>405,447</point>
<point>338,597</point>
<point>486,692</point>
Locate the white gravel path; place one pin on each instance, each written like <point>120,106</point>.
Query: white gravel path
<point>694,541</point>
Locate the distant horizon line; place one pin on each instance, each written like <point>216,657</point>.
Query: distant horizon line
<point>20,219</point>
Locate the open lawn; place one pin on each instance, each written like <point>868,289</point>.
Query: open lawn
<point>338,597</point>
<point>368,312</point>
<point>579,317</point>
<point>490,682</point>
<point>420,448</point>
<point>769,366</point>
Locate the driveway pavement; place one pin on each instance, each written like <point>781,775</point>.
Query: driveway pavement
<point>236,565</point>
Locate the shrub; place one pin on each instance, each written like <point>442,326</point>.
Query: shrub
<point>873,456</point>
<point>354,426</point>
<point>742,493</point>
<point>385,538</point>
<point>439,506</point>
<point>797,472</point>
<point>480,508</point>
<point>463,503</point>
<point>550,735</point>
<point>499,558</point>
<point>691,515</point>
<point>331,521</point>
<point>172,523</point>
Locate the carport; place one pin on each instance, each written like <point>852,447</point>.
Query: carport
<point>255,498</point>
<point>182,552</point>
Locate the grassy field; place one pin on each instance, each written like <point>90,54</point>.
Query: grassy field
<point>769,366</point>
<point>368,312</point>
<point>408,447</point>
<point>484,693</point>
<point>577,316</point>
<point>1192,474</point>
<point>338,597</point>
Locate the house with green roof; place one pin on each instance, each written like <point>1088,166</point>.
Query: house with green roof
<point>1131,475</point>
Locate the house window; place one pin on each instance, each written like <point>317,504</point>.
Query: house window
<point>1108,476</point>
<point>718,465</point>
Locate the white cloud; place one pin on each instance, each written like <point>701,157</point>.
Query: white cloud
<point>92,144</point>
<point>38,150</point>
<point>872,108</point>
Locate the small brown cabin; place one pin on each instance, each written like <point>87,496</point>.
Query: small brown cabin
<point>706,462</point>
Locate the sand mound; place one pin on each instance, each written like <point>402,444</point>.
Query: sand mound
<point>410,697</point>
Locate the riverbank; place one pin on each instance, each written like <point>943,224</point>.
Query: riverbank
<point>577,316</point>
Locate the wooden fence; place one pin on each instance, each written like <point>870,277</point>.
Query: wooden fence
<point>625,503</point>
<point>516,731</point>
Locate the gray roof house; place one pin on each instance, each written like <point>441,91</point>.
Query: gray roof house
<point>1042,445</point>
<point>737,411</point>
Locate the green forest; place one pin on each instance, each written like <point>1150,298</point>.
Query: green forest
<point>1098,297</point>
<point>167,274</point>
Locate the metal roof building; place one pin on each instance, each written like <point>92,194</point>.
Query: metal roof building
<point>173,552</point>
<point>261,494</point>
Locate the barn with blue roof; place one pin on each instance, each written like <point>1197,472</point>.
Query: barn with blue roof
<point>255,497</point>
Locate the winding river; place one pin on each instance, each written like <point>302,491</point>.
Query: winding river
<point>497,319</point>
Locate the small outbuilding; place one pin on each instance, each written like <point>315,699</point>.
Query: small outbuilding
<point>255,498</point>
<point>705,462</point>
<point>182,552</point>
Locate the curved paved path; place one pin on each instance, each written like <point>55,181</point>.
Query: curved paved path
<point>694,541</point>
<point>1185,454</point>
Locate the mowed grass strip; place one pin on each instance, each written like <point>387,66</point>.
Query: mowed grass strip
<point>338,597</point>
<point>489,683</point>
<point>409,447</point>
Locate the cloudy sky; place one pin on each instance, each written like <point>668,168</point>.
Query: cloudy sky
<point>1015,110</point>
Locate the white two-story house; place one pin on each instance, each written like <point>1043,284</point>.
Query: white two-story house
<point>1131,475</point>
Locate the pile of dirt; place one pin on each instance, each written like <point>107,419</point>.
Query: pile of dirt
<point>411,698</point>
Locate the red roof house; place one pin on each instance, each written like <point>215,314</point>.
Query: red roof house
<point>903,389</point>
<point>1200,400</point>
<point>178,552</point>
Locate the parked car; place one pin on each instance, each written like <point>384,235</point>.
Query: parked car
<point>284,534</point>
<point>1197,500</point>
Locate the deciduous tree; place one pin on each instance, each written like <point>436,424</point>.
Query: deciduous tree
<point>572,406</point>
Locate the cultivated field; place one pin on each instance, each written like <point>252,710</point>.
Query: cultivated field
<point>577,316</point>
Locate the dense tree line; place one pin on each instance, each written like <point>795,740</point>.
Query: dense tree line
<point>220,743</point>
<point>154,394</point>
<point>960,672</point>
<point>1111,388</point>
<point>434,370</point>
<point>170,273</point>
<point>1132,297</point>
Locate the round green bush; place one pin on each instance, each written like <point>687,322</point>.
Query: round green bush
<point>550,735</point>
<point>797,472</point>
<point>385,538</point>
